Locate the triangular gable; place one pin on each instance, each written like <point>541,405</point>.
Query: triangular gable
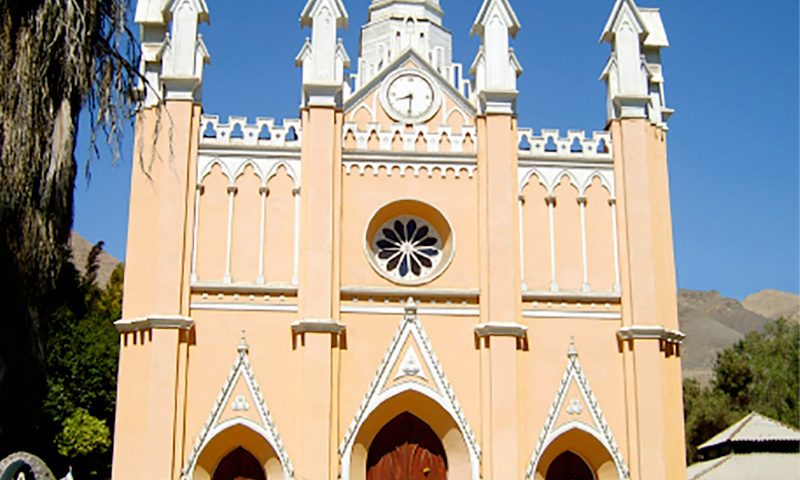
<point>239,402</point>
<point>411,333</point>
<point>568,404</point>
<point>409,55</point>
<point>619,7</point>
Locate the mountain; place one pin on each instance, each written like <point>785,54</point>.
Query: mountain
<point>774,304</point>
<point>712,323</point>
<point>80,252</point>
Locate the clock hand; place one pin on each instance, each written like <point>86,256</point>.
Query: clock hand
<point>410,100</point>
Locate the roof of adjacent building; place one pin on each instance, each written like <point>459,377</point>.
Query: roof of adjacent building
<point>754,428</point>
<point>750,466</point>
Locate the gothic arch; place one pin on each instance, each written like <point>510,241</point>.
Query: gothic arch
<point>583,441</point>
<point>227,437</point>
<point>420,402</point>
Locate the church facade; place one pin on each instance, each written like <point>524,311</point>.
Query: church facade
<point>402,283</point>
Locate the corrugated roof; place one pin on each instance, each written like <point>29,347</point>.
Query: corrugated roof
<point>749,466</point>
<point>754,428</point>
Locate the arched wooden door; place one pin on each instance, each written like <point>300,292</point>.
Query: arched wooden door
<point>406,448</point>
<point>569,466</point>
<point>239,465</point>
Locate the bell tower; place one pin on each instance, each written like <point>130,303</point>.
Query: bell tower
<point>395,26</point>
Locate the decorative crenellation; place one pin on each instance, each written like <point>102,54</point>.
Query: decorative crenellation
<point>399,139</point>
<point>574,146</point>
<point>263,133</point>
<point>414,168</point>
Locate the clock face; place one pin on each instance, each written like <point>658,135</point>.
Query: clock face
<point>410,97</point>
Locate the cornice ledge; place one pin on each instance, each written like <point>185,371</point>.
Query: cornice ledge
<point>501,330</point>
<point>162,322</point>
<point>650,332</point>
<point>313,325</point>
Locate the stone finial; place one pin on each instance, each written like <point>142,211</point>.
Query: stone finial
<point>496,67</point>
<point>184,52</point>
<point>243,347</point>
<point>627,86</point>
<point>323,57</point>
<point>410,308</point>
<point>572,352</point>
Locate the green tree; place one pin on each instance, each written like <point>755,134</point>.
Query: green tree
<point>760,373</point>
<point>82,371</point>
<point>56,57</point>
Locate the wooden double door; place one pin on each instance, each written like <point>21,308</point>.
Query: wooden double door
<point>406,448</point>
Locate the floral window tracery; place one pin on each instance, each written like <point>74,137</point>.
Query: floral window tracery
<point>408,248</point>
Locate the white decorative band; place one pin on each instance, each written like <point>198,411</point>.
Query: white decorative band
<point>548,296</point>
<point>650,332</point>
<point>174,322</point>
<point>410,292</point>
<point>501,330</point>
<point>243,307</point>
<point>398,310</point>
<point>563,314</point>
<point>317,326</point>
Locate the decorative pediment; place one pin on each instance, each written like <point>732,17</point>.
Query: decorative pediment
<point>410,364</point>
<point>576,406</point>
<point>410,59</point>
<point>240,402</point>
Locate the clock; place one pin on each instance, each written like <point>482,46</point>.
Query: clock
<point>410,96</point>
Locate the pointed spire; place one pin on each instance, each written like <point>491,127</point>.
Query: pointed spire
<point>185,54</point>
<point>321,56</point>
<point>633,74</point>
<point>496,68</point>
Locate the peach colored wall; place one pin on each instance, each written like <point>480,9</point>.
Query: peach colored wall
<point>246,237</point>
<point>454,197</point>
<point>599,238</point>
<point>279,241</point>
<point>567,227</point>
<point>313,384</point>
<point>212,226</point>
<point>536,236</point>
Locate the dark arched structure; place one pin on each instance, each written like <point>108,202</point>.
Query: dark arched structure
<point>239,465</point>
<point>406,448</point>
<point>569,466</point>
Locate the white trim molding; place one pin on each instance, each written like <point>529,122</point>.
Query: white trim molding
<point>501,330</point>
<point>241,369</point>
<point>650,332</point>
<point>600,430</point>
<point>162,322</point>
<point>410,328</point>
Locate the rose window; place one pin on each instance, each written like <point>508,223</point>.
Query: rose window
<point>407,248</point>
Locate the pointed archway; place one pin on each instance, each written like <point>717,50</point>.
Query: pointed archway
<point>406,448</point>
<point>570,466</point>
<point>239,465</point>
<point>411,379</point>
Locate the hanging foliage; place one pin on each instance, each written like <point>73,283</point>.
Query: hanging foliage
<point>56,57</point>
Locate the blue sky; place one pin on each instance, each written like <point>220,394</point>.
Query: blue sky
<point>731,75</point>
